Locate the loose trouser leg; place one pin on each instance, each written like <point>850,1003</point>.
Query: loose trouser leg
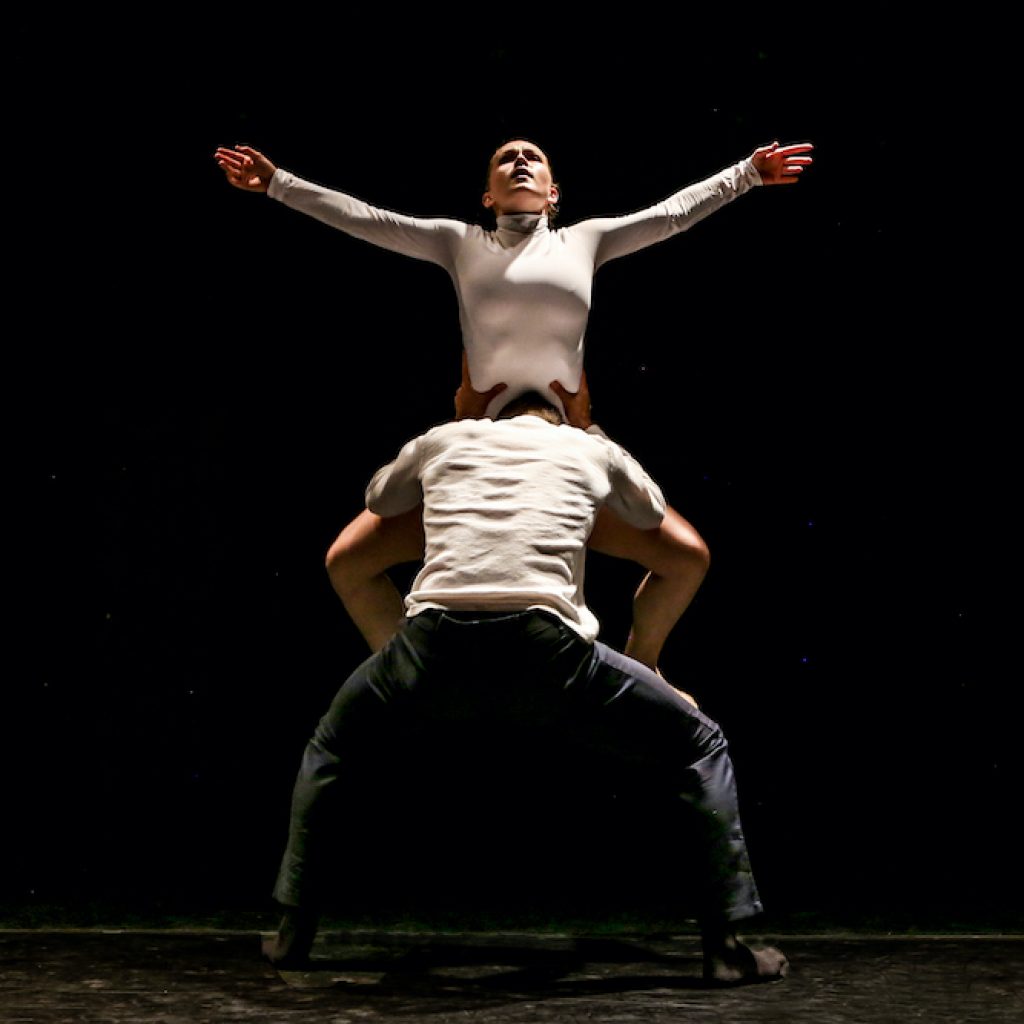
<point>630,714</point>
<point>367,715</point>
<point>608,704</point>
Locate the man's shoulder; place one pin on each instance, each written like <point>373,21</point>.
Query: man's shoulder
<point>452,432</point>
<point>525,425</point>
<point>453,428</point>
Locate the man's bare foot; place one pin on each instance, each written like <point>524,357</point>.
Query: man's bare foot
<point>288,950</point>
<point>728,961</point>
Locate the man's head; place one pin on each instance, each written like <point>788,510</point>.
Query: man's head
<point>531,403</point>
<point>520,180</point>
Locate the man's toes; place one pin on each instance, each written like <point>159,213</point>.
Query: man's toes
<point>746,966</point>
<point>771,963</point>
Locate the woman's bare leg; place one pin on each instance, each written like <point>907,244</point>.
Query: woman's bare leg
<point>677,560</point>
<point>357,565</point>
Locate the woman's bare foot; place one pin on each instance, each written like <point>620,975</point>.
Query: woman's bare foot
<point>728,961</point>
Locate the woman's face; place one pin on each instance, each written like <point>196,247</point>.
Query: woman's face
<point>519,180</point>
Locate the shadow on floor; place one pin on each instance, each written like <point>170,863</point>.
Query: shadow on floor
<point>493,978</point>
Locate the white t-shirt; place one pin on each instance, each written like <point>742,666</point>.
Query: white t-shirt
<point>524,289</point>
<point>508,506</point>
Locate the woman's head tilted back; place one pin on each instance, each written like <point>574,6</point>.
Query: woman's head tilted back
<point>520,180</point>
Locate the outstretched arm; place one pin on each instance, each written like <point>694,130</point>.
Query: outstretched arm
<point>612,237</point>
<point>432,239</point>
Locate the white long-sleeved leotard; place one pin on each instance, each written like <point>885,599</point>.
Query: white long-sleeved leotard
<point>524,289</point>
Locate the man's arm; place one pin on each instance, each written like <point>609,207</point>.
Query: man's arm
<point>634,496</point>
<point>396,488</point>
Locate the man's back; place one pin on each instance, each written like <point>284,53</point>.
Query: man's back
<point>508,506</point>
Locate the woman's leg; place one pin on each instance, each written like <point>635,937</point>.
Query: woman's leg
<point>677,560</point>
<point>357,565</point>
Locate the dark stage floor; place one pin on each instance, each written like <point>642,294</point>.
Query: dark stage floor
<point>217,976</point>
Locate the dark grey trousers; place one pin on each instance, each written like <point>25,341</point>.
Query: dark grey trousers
<point>478,674</point>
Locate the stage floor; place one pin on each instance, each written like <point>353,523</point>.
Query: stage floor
<point>198,976</point>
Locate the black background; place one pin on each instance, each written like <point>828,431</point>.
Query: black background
<point>812,375</point>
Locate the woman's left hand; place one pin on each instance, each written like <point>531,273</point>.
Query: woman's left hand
<point>576,403</point>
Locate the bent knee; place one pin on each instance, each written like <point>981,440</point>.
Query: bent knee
<point>341,558</point>
<point>370,545</point>
<point>684,548</point>
<point>701,553</point>
<point>338,554</point>
<point>355,550</point>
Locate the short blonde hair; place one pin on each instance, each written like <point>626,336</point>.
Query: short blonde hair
<point>531,403</point>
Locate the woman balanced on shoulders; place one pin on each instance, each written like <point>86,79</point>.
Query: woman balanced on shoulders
<point>524,293</point>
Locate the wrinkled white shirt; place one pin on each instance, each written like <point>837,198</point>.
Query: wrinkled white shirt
<point>508,506</point>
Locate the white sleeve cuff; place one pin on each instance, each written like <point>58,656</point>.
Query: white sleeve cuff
<point>750,172</point>
<point>279,182</point>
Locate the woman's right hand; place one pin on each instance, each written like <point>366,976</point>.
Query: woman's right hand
<point>471,404</point>
<point>245,168</point>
